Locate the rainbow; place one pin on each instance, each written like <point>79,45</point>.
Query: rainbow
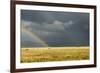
<point>33,35</point>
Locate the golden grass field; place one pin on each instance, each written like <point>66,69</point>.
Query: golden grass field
<point>54,54</point>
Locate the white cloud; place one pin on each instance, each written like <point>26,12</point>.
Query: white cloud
<point>55,26</point>
<point>25,23</point>
<point>45,28</point>
<point>56,22</point>
<point>68,24</point>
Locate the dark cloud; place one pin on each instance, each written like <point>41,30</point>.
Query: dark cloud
<point>55,28</point>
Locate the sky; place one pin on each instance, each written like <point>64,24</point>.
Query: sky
<point>54,29</point>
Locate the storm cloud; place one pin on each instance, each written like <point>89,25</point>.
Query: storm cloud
<point>54,28</point>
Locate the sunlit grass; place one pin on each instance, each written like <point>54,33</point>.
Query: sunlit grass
<point>54,54</point>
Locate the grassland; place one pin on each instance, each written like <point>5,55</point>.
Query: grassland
<point>54,54</point>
